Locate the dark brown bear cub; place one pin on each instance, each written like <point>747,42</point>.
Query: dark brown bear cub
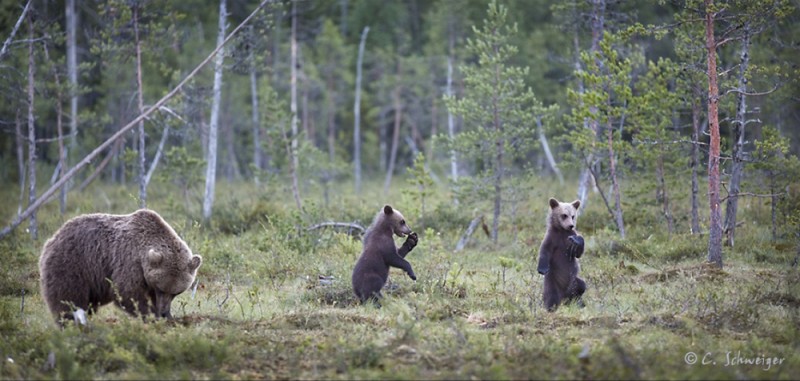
<point>372,268</point>
<point>558,256</point>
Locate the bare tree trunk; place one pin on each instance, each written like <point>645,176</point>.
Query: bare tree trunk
<point>715,225</point>
<point>20,162</point>
<point>31,132</point>
<point>295,160</point>
<point>211,169</point>
<point>46,196</point>
<point>62,152</point>
<point>140,100</point>
<point>395,138</point>
<point>773,205</point>
<point>157,156</point>
<point>451,128</point>
<point>738,129</point>
<point>357,113</point>
<point>661,192</point>
<point>612,169</point>
<point>695,163</point>
<point>499,152</point>
<point>72,73</point>
<point>255,117</point>
<point>546,147</point>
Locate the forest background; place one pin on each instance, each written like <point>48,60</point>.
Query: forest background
<point>674,122</point>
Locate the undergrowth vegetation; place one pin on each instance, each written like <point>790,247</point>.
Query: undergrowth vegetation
<point>274,299</point>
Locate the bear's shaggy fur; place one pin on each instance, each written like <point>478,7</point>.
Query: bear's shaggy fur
<point>135,260</point>
<point>372,269</point>
<point>558,256</point>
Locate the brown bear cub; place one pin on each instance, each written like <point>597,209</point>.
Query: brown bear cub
<point>558,256</point>
<point>135,260</point>
<point>372,268</point>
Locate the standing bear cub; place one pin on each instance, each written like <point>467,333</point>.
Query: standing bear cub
<point>372,268</point>
<point>558,256</point>
<point>135,260</point>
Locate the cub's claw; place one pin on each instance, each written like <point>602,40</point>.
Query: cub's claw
<point>412,276</point>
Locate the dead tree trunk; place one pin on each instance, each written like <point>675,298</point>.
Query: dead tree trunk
<point>20,161</point>
<point>661,192</point>
<point>738,129</point>
<point>499,143</point>
<point>395,138</point>
<point>357,113</point>
<point>255,117</point>
<point>211,169</point>
<point>72,73</point>
<point>715,225</point>
<point>549,155</point>
<point>62,152</point>
<point>612,169</point>
<point>140,100</point>
<point>451,129</point>
<point>695,162</point>
<point>295,160</point>
<point>31,132</point>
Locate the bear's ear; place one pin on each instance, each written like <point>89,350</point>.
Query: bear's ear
<point>576,204</point>
<point>553,203</point>
<point>387,209</point>
<point>195,262</point>
<point>154,257</point>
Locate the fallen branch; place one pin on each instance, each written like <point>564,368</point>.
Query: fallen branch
<point>349,225</point>
<point>468,233</point>
<point>86,160</point>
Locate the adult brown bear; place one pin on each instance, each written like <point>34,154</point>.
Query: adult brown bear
<point>135,260</point>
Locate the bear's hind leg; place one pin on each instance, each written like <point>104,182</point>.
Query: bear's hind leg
<point>370,289</point>
<point>550,296</point>
<point>577,288</point>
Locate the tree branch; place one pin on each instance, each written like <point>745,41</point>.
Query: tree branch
<point>737,91</point>
<point>86,160</point>
<point>4,50</point>
<point>349,225</point>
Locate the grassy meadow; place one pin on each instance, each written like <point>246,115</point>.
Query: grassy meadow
<point>274,299</point>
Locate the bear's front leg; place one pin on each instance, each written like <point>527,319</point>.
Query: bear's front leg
<point>408,245</point>
<point>400,263</point>
<point>544,261</point>
<point>575,246</point>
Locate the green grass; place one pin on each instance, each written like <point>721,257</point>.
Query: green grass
<point>261,312</point>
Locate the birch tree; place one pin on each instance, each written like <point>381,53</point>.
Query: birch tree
<point>357,113</point>
<point>213,127</point>
<point>33,226</point>
<point>295,163</point>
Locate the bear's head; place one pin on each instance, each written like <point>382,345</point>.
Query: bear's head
<point>169,271</point>
<point>563,215</point>
<point>395,220</point>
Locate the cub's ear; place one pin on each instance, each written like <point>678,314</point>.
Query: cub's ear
<point>154,257</point>
<point>195,262</point>
<point>387,209</point>
<point>553,203</point>
<point>576,204</point>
